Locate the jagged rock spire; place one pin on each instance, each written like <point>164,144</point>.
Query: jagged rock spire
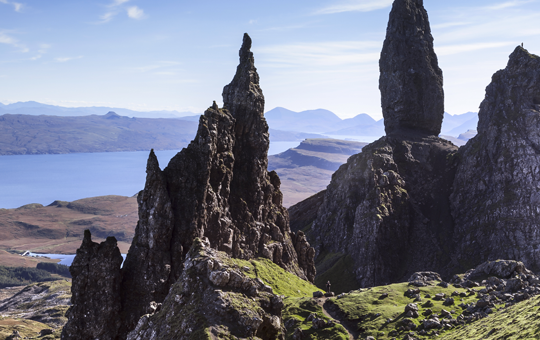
<point>411,82</point>
<point>95,291</point>
<point>496,190</point>
<point>218,188</point>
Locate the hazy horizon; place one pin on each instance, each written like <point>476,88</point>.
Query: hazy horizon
<point>169,55</point>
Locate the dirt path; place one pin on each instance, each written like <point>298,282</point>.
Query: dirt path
<point>353,333</point>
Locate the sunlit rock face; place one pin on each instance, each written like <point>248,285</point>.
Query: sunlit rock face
<point>496,197</point>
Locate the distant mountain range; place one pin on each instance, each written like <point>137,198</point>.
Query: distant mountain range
<point>327,123</point>
<point>29,134</point>
<point>308,168</point>
<point>35,109</point>
<point>35,128</point>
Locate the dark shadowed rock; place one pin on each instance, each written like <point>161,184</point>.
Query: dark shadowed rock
<point>218,189</point>
<point>96,305</point>
<point>149,254</point>
<point>496,191</point>
<point>411,81</point>
<point>388,208</point>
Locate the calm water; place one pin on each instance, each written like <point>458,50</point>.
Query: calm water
<point>64,259</point>
<point>45,178</point>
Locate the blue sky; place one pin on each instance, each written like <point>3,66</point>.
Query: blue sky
<point>178,55</point>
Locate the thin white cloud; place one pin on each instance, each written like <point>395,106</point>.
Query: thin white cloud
<point>456,49</point>
<point>65,59</point>
<point>135,12</point>
<point>42,50</point>
<point>116,7</point>
<point>354,6</point>
<point>450,24</point>
<point>332,54</point>
<point>284,28</point>
<point>493,28</point>
<point>508,4</point>
<point>17,6</point>
<point>5,38</point>
<point>106,17</point>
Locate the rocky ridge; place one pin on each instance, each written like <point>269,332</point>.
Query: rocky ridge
<point>218,189</point>
<point>411,201</point>
<point>213,291</point>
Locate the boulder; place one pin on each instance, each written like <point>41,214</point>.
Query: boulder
<point>422,279</point>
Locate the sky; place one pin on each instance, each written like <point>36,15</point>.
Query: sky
<point>177,55</point>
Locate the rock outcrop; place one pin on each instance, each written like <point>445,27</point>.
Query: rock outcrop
<point>387,207</point>
<point>497,187</point>
<point>214,296</point>
<point>411,81</point>
<point>95,290</point>
<point>410,201</point>
<point>218,189</point>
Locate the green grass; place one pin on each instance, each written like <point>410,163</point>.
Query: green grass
<point>300,309</point>
<point>521,321</point>
<point>362,307</point>
<point>281,281</point>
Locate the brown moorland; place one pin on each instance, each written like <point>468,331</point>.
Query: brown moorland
<point>58,228</point>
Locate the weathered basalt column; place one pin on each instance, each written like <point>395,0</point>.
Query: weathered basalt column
<point>148,266</point>
<point>496,196</point>
<point>96,305</point>
<point>217,188</point>
<point>386,211</point>
<point>261,223</point>
<point>411,81</point>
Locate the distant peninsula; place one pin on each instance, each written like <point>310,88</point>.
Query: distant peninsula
<point>24,134</point>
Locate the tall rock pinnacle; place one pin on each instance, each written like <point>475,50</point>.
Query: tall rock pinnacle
<point>217,189</point>
<point>411,82</point>
<point>386,211</point>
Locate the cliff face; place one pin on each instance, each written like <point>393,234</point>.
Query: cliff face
<point>387,208</point>
<point>496,190</point>
<point>217,189</point>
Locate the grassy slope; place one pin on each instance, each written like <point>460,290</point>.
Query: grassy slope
<point>367,303</point>
<point>297,292</point>
<point>521,321</point>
